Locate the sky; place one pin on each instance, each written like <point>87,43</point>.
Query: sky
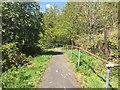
<point>44,5</point>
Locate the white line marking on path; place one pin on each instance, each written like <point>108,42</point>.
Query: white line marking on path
<point>69,73</point>
<point>65,76</point>
<point>56,70</point>
<point>61,74</point>
<point>64,87</point>
<point>50,82</point>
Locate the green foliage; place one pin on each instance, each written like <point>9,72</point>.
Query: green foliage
<point>92,72</point>
<point>22,23</point>
<point>81,24</point>
<point>14,78</point>
<point>26,76</point>
<point>84,24</point>
<point>48,39</point>
<point>11,56</point>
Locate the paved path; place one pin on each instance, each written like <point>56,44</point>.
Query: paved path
<point>59,73</point>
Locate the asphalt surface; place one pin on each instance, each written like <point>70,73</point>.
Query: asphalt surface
<point>59,73</point>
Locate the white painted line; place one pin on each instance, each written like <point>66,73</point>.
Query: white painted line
<point>64,87</point>
<point>50,82</point>
<point>61,74</point>
<point>65,76</point>
<point>69,73</point>
<point>56,70</point>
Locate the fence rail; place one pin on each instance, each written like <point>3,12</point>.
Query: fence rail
<point>109,65</point>
<point>105,61</point>
<point>89,53</point>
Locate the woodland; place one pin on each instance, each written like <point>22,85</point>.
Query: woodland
<point>27,33</point>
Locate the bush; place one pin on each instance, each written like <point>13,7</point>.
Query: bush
<point>15,78</point>
<point>11,56</point>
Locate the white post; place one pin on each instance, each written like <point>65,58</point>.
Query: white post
<point>66,47</point>
<point>79,58</point>
<point>107,77</point>
<point>71,52</point>
<point>109,66</point>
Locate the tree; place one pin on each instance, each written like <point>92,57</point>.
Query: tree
<point>22,23</point>
<point>50,19</point>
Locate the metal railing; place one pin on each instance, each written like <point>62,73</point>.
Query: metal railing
<point>109,65</point>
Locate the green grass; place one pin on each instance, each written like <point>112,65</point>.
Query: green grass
<point>92,72</point>
<point>28,75</point>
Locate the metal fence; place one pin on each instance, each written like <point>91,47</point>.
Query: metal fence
<point>109,65</point>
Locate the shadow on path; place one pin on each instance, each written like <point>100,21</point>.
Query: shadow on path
<point>59,73</point>
<point>51,53</point>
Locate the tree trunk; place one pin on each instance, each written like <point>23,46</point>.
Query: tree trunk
<point>106,42</point>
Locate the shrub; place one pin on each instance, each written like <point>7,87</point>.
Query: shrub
<point>15,78</point>
<point>11,56</point>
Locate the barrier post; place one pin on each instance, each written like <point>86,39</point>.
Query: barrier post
<point>63,47</point>
<point>71,53</point>
<point>66,47</point>
<point>107,77</point>
<point>79,58</point>
<point>109,66</point>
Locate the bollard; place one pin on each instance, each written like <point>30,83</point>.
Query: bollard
<point>79,58</point>
<point>63,47</point>
<point>71,52</point>
<point>107,77</point>
<point>109,66</point>
<point>66,47</point>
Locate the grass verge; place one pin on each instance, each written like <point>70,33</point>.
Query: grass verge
<point>92,72</point>
<point>28,75</point>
